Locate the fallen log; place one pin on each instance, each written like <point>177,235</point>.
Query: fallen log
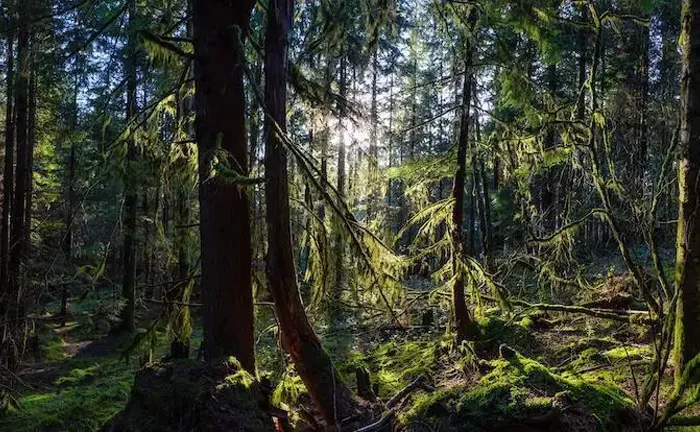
<point>640,316</point>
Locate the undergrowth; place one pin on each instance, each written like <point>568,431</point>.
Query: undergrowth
<point>520,391</point>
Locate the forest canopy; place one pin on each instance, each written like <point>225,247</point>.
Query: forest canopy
<point>366,215</point>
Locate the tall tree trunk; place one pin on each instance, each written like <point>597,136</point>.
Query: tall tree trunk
<point>67,244</point>
<point>31,142</point>
<point>464,325</point>
<point>181,289</point>
<point>337,290</point>
<point>310,359</point>
<point>373,166</point>
<point>130,193</point>
<point>224,209</point>
<point>6,291</point>
<point>687,343</point>
<point>484,197</point>
<point>18,207</point>
<point>643,98</point>
<point>8,173</point>
<point>548,184</point>
<point>582,56</point>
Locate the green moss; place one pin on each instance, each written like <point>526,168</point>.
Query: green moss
<point>634,353</point>
<point>53,349</point>
<point>80,376</point>
<point>515,390</point>
<point>496,331</point>
<point>288,390</point>
<point>86,399</point>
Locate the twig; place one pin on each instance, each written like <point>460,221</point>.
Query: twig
<point>416,384</point>
<point>380,424</point>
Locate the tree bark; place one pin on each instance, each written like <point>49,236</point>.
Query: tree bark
<point>18,207</point>
<point>310,359</point>
<point>130,194</point>
<point>8,173</point>
<point>464,325</point>
<point>373,166</point>
<point>687,343</point>
<point>337,289</point>
<point>31,142</point>
<point>219,33</point>
<point>67,244</point>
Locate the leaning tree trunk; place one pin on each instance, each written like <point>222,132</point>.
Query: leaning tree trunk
<point>219,34</point>
<point>310,359</point>
<point>687,343</point>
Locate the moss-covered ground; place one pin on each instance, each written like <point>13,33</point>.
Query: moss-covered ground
<point>521,375</point>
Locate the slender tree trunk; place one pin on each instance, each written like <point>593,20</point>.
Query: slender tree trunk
<point>642,139</point>
<point>310,359</point>
<point>181,290</point>
<point>390,151</point>
<point>582,56</point>
<point>484,199</point>
<point>687,343</point>
<point>373,166</point>
<point>6,291</point>
<point>18,207</point>
<point>130,193</point>
<point>470,206</point>
<point>224,208</point>
<point>548,184</point>
<point>337,291</point>
<point>31,142</point>
<point>464,325</point>
<point>9,176</point>
<point>67,244</point>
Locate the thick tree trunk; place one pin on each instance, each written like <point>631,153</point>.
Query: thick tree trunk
<point>687,343</point>
<point>130,194</point>
<point>310,359</point>
<point>219,30</point>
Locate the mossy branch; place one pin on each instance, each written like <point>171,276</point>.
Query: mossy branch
<point>637,316</point>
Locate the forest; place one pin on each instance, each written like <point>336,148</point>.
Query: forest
<point>349,215</point>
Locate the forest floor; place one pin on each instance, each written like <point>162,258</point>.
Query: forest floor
<point>527,366</point>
